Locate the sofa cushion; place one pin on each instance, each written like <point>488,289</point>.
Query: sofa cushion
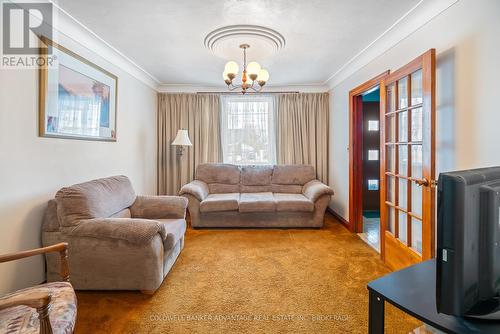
<point>293,174</point>
<point>220,202</point>
<point>221,188</point>
<point>293,202</point>
<point>99,198</point>
<point>287,188</point>
<point>256,189</point>
<point>175,229</point>
<point>256,175</point>
<point>257,202</point>
<point>218,173</point>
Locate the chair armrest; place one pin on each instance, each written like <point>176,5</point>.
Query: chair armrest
<point>33,299</point>
<point>134,230</point>
<point>62,248</point>
<point>158,207</point>
<point>197,188</point>
<point>315,189</point>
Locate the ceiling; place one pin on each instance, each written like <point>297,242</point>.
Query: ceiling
<point>166,38</point>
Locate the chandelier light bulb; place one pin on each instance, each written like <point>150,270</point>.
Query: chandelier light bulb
<point>253,68</point>
<point>263,75</point>
<point>231,67</point>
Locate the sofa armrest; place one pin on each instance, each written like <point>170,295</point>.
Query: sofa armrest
<point>159,207</point>
<point>197,188</point>
<point>133,230</point>
<point>315,189</point>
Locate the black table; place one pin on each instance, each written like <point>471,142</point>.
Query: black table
<point>413,290</point>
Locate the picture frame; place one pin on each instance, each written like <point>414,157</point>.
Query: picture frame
<point>77,98</point>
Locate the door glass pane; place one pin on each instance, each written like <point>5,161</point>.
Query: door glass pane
<point>416,234</point>
<point>402,226</point>
<point>416,199</point>
<point>403,160</point>
<point>403,126</point>
<point>391,189</point>
<point>403,192</point>
<point>391,98</point>
<point>416,124</point>
<point>416,161</point>
<point>391,159</point>
<point>416,87</point>
<point>390,129</point>
<point>403,93</point>
<point>391,219</point>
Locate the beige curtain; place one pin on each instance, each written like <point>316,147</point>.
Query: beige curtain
<point>302,131</point>
<point>199,114</point>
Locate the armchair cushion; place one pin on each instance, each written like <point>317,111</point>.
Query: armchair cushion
<point>94,199</point>
<point>133,230</point>
<point>24,319</point>
<point>159,207</point>
<point>315,189</point>
<point>197,188</point>
<point>175,229</point>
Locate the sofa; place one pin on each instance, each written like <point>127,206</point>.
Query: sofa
<point>281,196</point>
<point>116,239</point>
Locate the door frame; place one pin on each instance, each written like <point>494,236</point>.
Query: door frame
<point>356,151</point>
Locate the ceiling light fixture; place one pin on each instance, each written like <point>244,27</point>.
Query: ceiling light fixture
<point>251,73</point>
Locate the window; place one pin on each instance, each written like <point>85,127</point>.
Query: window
<point>372,184</point>
<point>372,125</point>
<point>248,130</point>
<point>372,154</point>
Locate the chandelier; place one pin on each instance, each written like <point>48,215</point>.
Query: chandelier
<point>251,73</point>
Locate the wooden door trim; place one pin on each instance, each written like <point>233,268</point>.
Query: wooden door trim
<point>356,152</point>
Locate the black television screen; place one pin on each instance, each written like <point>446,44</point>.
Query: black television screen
<point>468,237</point>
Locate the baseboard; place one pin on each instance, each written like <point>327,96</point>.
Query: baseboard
<point>338,217</point>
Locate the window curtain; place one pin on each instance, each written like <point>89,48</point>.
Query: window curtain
<point>302,131</point>
<point>248,129</point>
<point>200,115</point>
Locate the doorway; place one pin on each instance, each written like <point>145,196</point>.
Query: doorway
<point>364,161</point>
<point>371,168</point>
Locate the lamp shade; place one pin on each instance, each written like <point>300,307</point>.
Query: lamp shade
<point>253,68</point>
<point>182,138</point>
<point>263,75</point>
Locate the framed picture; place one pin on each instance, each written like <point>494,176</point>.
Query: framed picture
<point>78,99</point>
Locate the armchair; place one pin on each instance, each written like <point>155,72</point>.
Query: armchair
<point>55,303</point>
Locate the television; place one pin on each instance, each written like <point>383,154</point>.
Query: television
<point>468,243</point>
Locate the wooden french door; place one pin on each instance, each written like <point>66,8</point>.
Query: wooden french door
<point>407,173</point>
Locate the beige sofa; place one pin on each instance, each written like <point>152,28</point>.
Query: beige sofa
<point>224,195</point>
<point>117,240</point>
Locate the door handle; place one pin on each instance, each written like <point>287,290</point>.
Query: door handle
<point>426,183</point>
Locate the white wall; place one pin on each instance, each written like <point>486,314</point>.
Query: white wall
<point>32,168</point>
<point>466,38</point>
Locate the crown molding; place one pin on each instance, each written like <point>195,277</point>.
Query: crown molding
<point>69,26</point>
<point>193,88</point>
<point>423,12</point>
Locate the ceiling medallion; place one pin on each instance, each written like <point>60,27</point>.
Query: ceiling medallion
<point>217,38</point>
<point>251,73</point>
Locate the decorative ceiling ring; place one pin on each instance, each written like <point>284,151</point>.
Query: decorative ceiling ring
<point>234,31</point>
<point>213,45</point>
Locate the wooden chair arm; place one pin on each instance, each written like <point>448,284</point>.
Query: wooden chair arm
<point>35,299</point>
<point>62,248</point>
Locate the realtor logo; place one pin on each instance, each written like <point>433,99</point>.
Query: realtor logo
<point>23,24</point>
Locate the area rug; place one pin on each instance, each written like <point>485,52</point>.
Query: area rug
<point>253,281</point>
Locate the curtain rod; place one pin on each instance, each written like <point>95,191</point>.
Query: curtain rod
<point>249,93</point>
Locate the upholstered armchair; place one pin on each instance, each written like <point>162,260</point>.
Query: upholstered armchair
<point>46,308</point>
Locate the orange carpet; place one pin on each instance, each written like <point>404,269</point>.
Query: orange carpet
<point>253,281</point>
